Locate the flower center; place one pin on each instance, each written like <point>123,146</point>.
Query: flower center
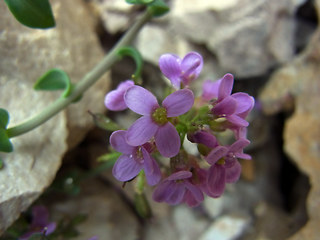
<point>160,116</point>
<point>221,161</point>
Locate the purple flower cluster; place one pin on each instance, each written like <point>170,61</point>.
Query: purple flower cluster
<point>161,128</point>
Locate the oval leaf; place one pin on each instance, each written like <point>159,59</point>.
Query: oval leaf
<point>5,144</point>
<point>4,118</point>
<point>32,13</point>
<point>54,79</point>
<point>158,8</point>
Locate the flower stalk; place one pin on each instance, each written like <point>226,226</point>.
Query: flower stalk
<point>86,82</point>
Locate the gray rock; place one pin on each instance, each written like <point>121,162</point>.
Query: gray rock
<point>226,228</point>
<point>26,54</point>
<point>247,38</point>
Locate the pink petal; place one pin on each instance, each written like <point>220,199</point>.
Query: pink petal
<point>148,164</point>
<point>170,67</point>
<point>225,87</point>
<point>237,121</point>
<point>126,168</point>
<point>190,200</point>
<point>245,102</point>
<point>178,102</point>
<point>233,173</point>
<point>196,192</point>
<point>162,191</point>
<point>216,180</point>
<point>239,145</point>
<point>179,175</point>
<point>154,177</point>
<point>51,227</point>
<point>119,143</point>
<point>243,156</point>
<point>210,89</point>
<point>226,107</point>
<point>141,131</point>
<point>114,100</point>
<point>140,100</point>
<point>205,138</point>
<point>167,140</point>
<point>191,66</point>
<point>216,154</point>
<point>177,193</point>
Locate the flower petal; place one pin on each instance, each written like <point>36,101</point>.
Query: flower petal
<point>162,191</point>
<point>141,131</point>
<point>177,193</point>
<point>119,143</point>
<point>170,67</point>
<point>237,121</point>
<point>178,102</point>
<point>196,192</point>
<point>225,87</point>
<point>140,100</point>
<point>114,100</point>
<point>233,173</point>
<point>179,175</point>
<point>216,180</point>
<point>154,177</point>
<point>167,140</point>
<point>239,145</point>
<point>205,138</point>
<point>191,66</point>
<point>210,89</point>
<point>226,107</point>
<point>126,168</point>
<point>216,153</point>
<point>50,228</point>
<point>245,102</point>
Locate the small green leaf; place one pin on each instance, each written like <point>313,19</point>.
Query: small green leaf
<point>136,56</point>
<point>4,118</point>
<point>54,79</point>
<point>104,122</point>
<point>1,164</point>
<point>142,205</point>
<point>139,1</point>
<point>109,157</point>
<point>5,144</point>
<point>158,8</point>
<point>32,13</point>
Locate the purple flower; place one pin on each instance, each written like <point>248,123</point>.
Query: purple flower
<point>181,71</point>
<point>225,167</point>
<point>133,160</point>
<point>40,223</point>
<point>155,120</point>
<point>114,99</point>
<point>178,188</point>
<point>235,107</point>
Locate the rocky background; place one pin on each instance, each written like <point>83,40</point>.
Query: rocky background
<point>273,49</point>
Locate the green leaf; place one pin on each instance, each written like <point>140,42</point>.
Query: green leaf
<point>5,144</point>
<point>1,164</point>
<point>142,205</point>
<point>54,79</point>
<point>136,56</point>
<point>4,118</point>
<point>158,8</point>
<point>104,122</point>
<point>139,1</point>
<point>109,157</point>
<point>32,13</point>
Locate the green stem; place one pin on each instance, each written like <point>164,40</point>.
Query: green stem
<point>87,81</point>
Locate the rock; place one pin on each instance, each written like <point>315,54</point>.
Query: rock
<point>226,228</point>
<point>247,38</point>
<point>107,214</point>
<point>26,54</point>
<point>299,81</point>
